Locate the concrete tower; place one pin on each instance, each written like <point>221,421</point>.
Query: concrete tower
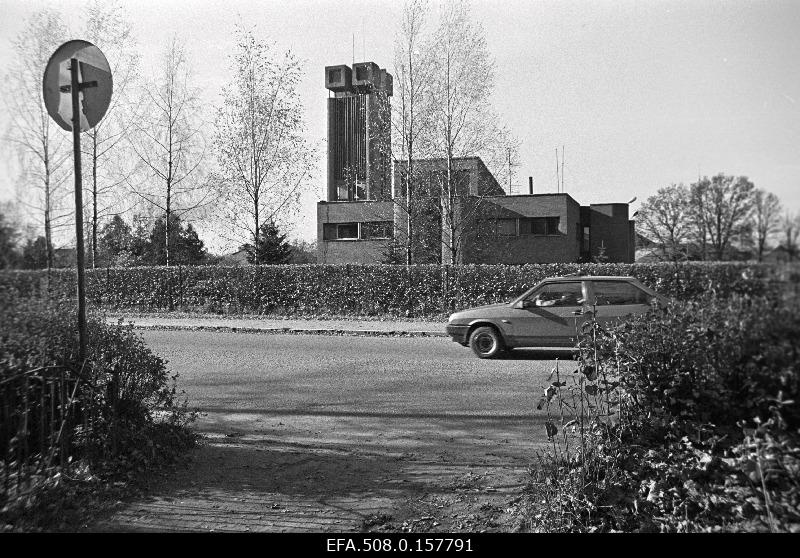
<point>359,142</point>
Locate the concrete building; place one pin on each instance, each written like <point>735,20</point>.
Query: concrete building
<point>365,217</point>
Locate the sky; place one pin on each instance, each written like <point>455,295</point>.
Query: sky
<point>640,94</point>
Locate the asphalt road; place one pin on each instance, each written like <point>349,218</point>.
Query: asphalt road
<point>344,433</point>
<point>230,373</point>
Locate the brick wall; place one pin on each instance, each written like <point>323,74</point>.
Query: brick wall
<point>611,228</point>
<point>521,249</point>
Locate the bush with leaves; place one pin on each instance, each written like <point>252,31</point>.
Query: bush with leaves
<point>683,420</point>
<point>420,291</point>
<point>126,417</point>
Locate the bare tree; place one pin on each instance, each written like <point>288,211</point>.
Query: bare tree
<point>790,231</point>
<point>107,27</point>
<point>665,219</point>
<point>263,157</point>
<point>723,206</point>
<point>412,73</point>
<point>168,143</point>
<point>42,147</point>
<point>463,122</point>
<point>766,216</point>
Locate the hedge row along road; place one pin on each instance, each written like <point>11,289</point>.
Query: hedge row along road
<point>420,291</point>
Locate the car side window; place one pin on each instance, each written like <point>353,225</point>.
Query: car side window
<point>558,294</point>
<point>619,293</point>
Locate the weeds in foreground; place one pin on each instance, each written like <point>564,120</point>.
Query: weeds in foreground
<point>680,421</point>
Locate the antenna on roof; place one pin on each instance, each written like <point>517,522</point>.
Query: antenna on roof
<point>508,154</point>
<point>557,183</point>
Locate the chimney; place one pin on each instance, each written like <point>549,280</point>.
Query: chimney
<point>530,184</point>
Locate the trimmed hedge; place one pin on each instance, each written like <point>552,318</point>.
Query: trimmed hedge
<point>363,290</point>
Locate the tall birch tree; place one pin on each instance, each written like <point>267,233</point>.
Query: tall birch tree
<point>168,144</point>
<point>42,147</point>
<point>463,121</point>
<point>263,157</point>
<point>412,67</point>
<point>106,26</point>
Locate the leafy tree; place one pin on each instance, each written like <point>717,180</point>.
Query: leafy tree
<point>303,252</point>
<point>34,254</point>
<point>140,242</point>
<point>186,247</point>
<point>395,252</point>
<point>9,235</point>
<point>263,157</point>
<point>116,241</point>
<point>271,247</point>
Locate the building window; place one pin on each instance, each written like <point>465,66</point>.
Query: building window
<point>361,73</point>
<point>340,231</point>
<point>376,230</point>
<point>371,230</point>
<point>539,226</point>
<point>586,243</point>
<point>335,76</point>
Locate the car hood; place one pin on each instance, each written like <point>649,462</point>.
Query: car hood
<point>486,311</point>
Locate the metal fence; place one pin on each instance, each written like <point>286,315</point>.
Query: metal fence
<point>40,412</point>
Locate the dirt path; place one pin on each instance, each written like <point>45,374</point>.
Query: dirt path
<point>255,472</point>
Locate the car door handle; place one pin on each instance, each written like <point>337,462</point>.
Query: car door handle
<point>506,321</point>
<point>577,312</point>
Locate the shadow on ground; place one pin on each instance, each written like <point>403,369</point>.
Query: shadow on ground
<point>375,474</point>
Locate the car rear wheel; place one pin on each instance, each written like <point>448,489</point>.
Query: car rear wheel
<point>486,342</point>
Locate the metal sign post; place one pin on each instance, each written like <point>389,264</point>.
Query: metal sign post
<point>67,73</point>
<point>76,151</point>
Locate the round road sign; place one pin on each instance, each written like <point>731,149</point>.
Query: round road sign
<point>94,79</point>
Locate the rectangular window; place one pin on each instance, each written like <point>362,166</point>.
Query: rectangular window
<point>619,293</point>
<point>361,73</point>
<point>558,294</point>
<point>539,226</point>
<point>335,76</point>
<point>340,231</point>
<point>347,231</point>
<point>586,243</point>
<point>376,230</point>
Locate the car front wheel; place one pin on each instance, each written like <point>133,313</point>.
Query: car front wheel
<point>486,342</point>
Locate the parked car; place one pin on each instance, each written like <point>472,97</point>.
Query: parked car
<point>548,314</point>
